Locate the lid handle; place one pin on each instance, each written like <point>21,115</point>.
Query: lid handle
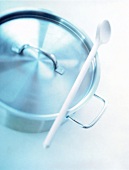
<point>59,69</point>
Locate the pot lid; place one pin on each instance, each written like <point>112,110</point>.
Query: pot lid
<point>41,55</point>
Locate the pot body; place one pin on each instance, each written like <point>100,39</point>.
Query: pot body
<point>41,55</point>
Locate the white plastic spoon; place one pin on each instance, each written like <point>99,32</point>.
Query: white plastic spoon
<point>102,36</point>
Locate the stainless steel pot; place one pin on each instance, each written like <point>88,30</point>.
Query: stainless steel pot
<point>41,55</point>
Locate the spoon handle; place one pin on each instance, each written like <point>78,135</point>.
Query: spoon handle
<point>71,96</point>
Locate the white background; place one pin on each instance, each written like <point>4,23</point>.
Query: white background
<point>106,145</point>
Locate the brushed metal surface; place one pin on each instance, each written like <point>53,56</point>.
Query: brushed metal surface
<point>30,89</point>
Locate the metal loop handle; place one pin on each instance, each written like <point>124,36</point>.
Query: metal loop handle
<point>95,120</point>
<point>52,57</point>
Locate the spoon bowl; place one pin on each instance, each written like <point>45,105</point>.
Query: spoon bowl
<point>103,32</point>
